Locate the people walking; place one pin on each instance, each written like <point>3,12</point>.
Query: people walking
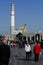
<point>37,51</point>
<point>4,53</point>
<point>27,50</point>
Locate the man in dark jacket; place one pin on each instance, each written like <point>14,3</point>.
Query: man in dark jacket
<point>37,50</point>
<point>4,53</point>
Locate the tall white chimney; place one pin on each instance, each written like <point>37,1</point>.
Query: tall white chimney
<point>12,18</point>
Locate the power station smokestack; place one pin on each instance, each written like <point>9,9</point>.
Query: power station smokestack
<point>12,18</point>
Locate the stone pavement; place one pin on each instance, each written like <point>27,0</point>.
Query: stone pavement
<point>18,57</point>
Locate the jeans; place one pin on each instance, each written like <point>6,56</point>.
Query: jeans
<point>36,57</point>
<point>27,55</point>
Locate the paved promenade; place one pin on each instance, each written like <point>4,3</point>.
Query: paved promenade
<point>18,57</point>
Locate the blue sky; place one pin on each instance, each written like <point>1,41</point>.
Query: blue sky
<point>28,12</point>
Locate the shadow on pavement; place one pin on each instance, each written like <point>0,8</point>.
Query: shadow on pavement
<point>25,59</point>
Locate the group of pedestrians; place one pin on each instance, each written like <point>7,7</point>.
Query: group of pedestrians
<point>5,51</point>
<point>36,50</point>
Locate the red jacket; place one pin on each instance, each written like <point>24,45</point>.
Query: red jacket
<point>37,49</point>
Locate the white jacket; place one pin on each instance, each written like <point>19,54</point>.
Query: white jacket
<point>27,48</point>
